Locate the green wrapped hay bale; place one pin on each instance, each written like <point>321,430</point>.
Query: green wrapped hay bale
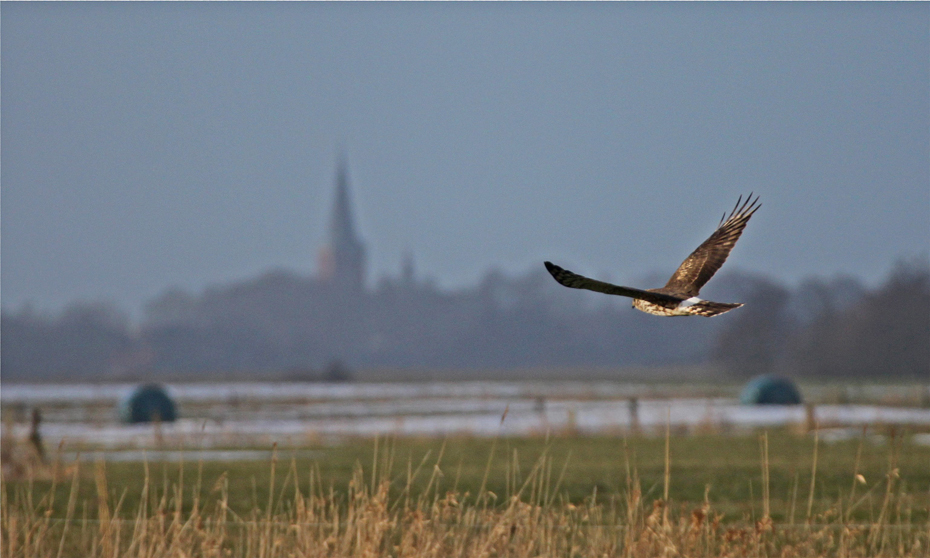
<point>148,403</point>
<point>769,389</point>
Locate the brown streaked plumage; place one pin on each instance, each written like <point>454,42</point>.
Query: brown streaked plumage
<point>679,296</point>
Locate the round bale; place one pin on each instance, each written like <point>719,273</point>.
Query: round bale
<point>148,403</point>
<point>769,389</point>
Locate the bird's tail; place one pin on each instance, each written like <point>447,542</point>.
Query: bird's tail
<point>709,308</point>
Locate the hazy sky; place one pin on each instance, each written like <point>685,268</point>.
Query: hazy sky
<point>148,145</point>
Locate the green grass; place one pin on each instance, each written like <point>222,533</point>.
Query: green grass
<point>728,468</point>
<point>576,496</point>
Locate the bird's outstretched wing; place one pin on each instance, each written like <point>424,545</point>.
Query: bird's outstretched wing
<point>700,266</point>
<point>575,281</point>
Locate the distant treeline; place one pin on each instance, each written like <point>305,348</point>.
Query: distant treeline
<point>282,324</point>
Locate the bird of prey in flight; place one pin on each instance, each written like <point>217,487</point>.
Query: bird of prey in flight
<point>679,297</point>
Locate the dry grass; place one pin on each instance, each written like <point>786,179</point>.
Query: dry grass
<point>380,514</point>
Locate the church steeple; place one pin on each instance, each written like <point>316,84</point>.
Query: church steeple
<point>342,261</point>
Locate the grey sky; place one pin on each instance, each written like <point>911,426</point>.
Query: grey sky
<point>146,145</point>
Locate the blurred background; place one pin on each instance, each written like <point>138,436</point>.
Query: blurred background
<point>299,196</point>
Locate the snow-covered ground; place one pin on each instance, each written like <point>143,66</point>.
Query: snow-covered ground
<point>229,415</point>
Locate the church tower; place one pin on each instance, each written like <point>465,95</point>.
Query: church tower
<point>342,260</point>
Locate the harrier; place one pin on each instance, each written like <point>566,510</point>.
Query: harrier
<point>679,297</point>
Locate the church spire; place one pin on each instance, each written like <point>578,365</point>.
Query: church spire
<point>341,226</point>
<point>342,261</point>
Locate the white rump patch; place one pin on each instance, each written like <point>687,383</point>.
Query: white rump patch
<point>690,302</point>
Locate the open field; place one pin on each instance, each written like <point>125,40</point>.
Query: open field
<point>762,493</point>
<point>559,468</point>
<point>256,414</point>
